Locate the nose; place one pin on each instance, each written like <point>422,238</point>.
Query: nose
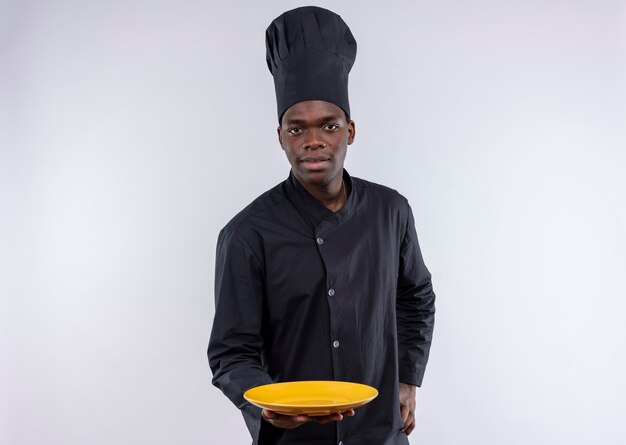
<point>313,140</point>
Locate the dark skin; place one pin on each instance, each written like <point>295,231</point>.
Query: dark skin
<point>315,135</point>
<point>407,407</point>
<point>291,422</point>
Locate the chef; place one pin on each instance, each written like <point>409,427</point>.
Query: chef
<point>321,277</point>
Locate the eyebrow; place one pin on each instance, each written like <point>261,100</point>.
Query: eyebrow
<point>322,120</point>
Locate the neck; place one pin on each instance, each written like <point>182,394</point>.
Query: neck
<point>333,195</point>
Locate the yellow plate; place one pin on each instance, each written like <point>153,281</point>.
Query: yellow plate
<point>314,398</point>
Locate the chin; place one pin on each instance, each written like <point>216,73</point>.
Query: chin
<point>319,179</point>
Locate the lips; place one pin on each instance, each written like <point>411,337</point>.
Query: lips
<point>315,163</point>
<point>313,160</point>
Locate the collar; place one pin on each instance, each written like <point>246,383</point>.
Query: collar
<point>313,210</point>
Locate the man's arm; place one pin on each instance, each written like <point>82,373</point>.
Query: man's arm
<point>236,344</point>
<point>415,309</point>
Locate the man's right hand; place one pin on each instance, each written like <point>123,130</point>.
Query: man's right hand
<point>291,422</point>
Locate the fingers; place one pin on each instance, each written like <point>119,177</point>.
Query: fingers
<point>268,414</point>
<point>282,421</point>
<point>322,420</point>
<point>408,429</point>
<point>336,417</point>
<point>409,423</point>
<point>407,407</point>
<point>290,422</point>
<point>404,413</point>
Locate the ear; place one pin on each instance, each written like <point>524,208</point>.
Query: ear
<point>280,136</point>
<point>351,132</point>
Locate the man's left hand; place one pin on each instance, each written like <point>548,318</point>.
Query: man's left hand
<point>407,407</point>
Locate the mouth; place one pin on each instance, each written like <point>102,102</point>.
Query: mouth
<point>314,160</point>
<point>314,163</point>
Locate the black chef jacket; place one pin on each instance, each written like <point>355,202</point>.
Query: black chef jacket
<point>304,293</point>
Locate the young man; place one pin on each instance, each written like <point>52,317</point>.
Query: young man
<point>321,277</point>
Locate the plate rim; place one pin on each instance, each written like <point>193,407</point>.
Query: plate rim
<point>291,405</point>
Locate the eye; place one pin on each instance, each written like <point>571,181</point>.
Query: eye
<point>331,127</point>
<point>294,131</point>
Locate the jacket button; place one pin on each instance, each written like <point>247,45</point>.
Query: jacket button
<point>331,292</point>
<point>336,344</point>
<point>320,240</point>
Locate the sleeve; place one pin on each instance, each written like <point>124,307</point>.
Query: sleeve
<point>415,308</point>
<point>235,345</point>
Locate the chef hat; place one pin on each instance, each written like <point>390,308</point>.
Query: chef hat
<point>310,52</point>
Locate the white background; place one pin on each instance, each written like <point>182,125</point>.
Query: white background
<point>132,131</point>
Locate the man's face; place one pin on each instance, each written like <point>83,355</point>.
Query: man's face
<point>315,136</point>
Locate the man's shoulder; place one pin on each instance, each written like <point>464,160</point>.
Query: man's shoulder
<point>261,206</point>
<point>379,192</point>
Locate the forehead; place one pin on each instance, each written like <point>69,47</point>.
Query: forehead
<point>313,110</point>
